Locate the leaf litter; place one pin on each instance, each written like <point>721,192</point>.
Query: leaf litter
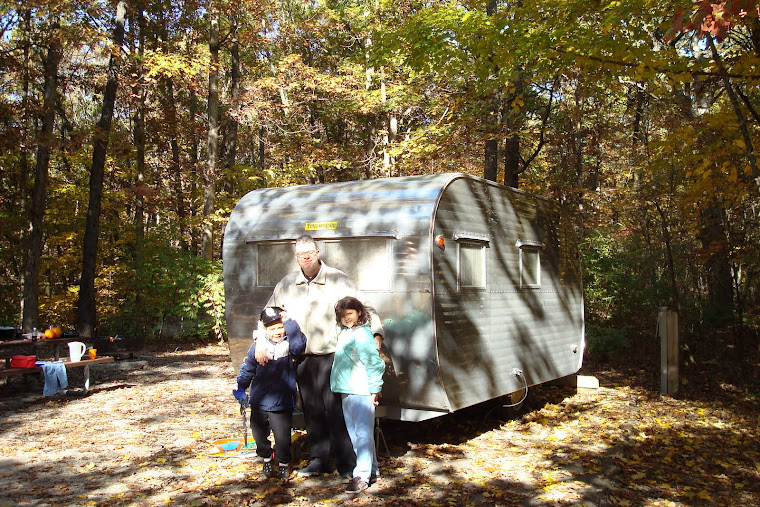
<point>143,437</point>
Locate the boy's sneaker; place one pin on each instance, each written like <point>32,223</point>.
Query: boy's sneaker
<point>268,468</point>
<point>357,485</point>
<point>345,478</point>
<point>373,478</point>
<point>283,471</point>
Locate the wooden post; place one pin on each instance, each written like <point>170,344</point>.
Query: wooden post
<point>667,325</point>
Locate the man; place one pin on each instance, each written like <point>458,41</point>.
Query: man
<point>309,295</point>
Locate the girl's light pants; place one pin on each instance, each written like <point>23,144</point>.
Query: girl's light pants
<point>359,412</point>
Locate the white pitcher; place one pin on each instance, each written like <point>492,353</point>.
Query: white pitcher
<point>76,350</point>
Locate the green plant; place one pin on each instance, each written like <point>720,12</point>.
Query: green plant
<point>604,343</point>
<point>167,293</point>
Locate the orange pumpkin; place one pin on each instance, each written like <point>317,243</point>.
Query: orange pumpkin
<point>56,332</point>
<point>49,334</point>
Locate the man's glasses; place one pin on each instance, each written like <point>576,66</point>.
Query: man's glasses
<point>303,255</point>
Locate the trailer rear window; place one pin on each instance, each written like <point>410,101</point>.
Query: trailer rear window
<point>365,260</point>
<point>275,260</point>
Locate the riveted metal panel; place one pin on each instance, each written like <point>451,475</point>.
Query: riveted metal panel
<point>451,345</point>
<point>483,335</point>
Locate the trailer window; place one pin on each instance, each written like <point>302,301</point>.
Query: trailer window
<point>472,265</point>
<point>530,267</point>
<point>275,260</point>
<point>365,260</point>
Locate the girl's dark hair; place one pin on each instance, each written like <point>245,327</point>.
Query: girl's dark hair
<point>349,303</point>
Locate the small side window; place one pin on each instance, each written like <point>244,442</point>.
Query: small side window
<point>530,265</point>
<point>472,265</point>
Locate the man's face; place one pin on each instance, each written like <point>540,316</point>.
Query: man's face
<point>307,257</point>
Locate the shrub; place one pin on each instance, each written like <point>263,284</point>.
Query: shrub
<point>604,343</point>
<point>167,293</point>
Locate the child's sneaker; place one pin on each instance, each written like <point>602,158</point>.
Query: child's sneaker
<point>283,471</point>
<point>356,486</point>
<point>268,468</point>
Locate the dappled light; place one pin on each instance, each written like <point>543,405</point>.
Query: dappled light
<point>143,436</point>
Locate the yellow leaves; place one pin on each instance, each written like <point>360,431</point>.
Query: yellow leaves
<point>171,65</point>
<point>662,423</point>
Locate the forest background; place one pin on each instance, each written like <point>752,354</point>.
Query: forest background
<point>131,128</point>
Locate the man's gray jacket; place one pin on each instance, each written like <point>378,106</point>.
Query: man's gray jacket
<point>312,305</point>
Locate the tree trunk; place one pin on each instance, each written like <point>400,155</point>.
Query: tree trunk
<point>138,90</point>
<point>491,162</point>
<point>194,164</point>
<point>262,151</point>
<point>26,128</point>
<point>37,211</point>
<point>86,307</point>
<point>179,195</point>
<point>491,148</point>
<point>512,161</point>
<point>719,281</point>
<point>231,137</point>
<point>639,139</point>
<point>207,237</point>
<point>674,297</point>
<point>170,108</point>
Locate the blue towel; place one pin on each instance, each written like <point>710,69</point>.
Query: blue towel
<point>55,377</point>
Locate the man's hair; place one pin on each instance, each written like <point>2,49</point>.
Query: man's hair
<point>305,240</point>
<point>349,303</point>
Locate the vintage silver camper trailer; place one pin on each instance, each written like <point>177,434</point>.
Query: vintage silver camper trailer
<point>478,285</point>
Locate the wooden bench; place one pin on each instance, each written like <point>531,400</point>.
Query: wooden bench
<point>84,363</point>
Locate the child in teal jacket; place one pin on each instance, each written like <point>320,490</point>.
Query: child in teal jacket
<point>357,374</point>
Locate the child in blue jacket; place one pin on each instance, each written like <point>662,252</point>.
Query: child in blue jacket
<point>357,374</point>
<point>273,388</point>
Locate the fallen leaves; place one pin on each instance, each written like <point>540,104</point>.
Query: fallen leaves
<point>614,445</point>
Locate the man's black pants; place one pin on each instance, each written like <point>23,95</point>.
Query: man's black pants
<point>323,411</point>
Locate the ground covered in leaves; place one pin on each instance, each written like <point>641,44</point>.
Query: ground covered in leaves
<point>142,437</point>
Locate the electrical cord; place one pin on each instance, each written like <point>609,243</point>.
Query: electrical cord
<point>519,374</point>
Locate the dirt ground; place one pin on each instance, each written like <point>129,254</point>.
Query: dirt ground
<point>142,437</point>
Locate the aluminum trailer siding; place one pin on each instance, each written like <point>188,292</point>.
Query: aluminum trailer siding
<point>478,285</point>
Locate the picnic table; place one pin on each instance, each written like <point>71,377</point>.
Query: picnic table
<point>26,344</point>
<point>19,345</point>
<point>84,363</point>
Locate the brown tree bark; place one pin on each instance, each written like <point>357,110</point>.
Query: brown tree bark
<point>491,148</point>
<point>170,108</point>
<point>138,90</point>
<point>86,307</point>
<point>491,160</point>
<point>719,281</point>
<point>512,161</point>
<point>26,128</point>
<point>37,212</point>
<point>209,190</point>
<point>231,131</point>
